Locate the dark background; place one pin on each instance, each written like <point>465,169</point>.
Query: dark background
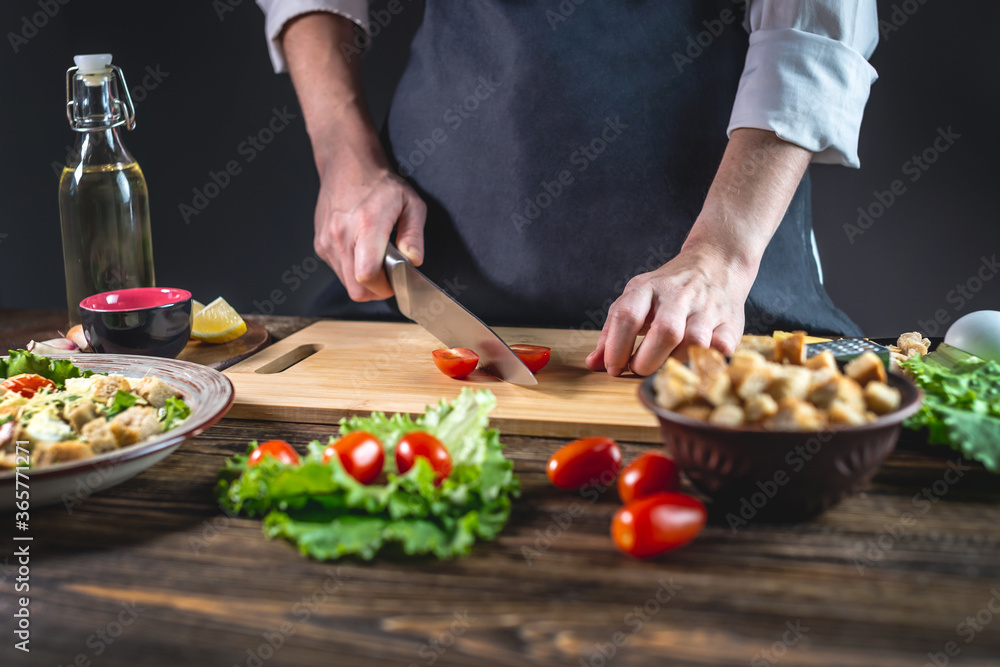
<point>937,60</point>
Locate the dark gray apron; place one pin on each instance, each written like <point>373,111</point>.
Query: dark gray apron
<point>565,146</point>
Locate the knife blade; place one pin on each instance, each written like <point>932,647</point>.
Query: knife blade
<point>453,324</point>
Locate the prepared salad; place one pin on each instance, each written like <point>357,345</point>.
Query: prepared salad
<point>62,413</point>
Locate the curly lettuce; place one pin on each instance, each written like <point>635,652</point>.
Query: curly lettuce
<point>328,514</point>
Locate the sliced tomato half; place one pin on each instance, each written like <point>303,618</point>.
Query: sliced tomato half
<point>456,362</point>
<point>535,357</point>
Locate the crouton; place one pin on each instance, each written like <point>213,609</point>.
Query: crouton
<point>881,398</point>
<point>865,368</point>
<point>49,453</point>
<point>706,361</point>
<point>742,363</point>
<point>755,382</point>
<point>840,412</point>
<point>135,425</point>
<point>792,350</point>
<point>790,382</point>
<point>675,384</point>
<point>698,411</point>
<point>78,413</point>
<point>155,391</point>
<point>838,388</point>
<point>795,415</point>
<point>763,345</point>
<point>760,407</point>
<point>98,435</point>
<point>105,387</point>
<point>821,361</point>
<point>730,416</point>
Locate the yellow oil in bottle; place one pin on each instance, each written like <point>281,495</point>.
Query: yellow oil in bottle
<point>104,211</point>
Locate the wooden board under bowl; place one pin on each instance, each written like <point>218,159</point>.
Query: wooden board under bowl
<point>332,369</point>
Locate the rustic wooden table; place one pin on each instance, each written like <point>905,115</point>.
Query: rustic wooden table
<point>152,573</point>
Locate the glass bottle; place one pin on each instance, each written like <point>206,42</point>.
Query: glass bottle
<point>103,201</point>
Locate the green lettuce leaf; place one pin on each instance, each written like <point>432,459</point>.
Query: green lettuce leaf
<point>329,514</point>
<point>123,401</point>
<point>174,412</point>
<point>57,370</point>
<point>961,406</point>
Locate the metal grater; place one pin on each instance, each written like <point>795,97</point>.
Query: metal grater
<point>846,349</point>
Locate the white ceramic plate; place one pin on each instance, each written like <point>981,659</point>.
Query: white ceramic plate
<point>207,392</point>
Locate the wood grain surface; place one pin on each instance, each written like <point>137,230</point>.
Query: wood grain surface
<point>152,573</point>
<point>217,356</point>
<point>363,366</point>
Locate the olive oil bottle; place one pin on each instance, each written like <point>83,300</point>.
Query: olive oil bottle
<point>103,201</point>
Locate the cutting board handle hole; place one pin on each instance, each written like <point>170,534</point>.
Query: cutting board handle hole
<point>289,359</point>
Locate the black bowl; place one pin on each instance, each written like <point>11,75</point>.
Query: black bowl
<point>152,321</point>
<point>777,476</point>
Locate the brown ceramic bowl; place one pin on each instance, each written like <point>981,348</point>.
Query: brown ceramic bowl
<point>751,475</point>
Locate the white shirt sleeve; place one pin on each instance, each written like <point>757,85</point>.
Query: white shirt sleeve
<point>280,12</point>
<point>807,76</point>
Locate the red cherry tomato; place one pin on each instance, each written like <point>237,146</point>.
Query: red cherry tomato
<point>27,384</point>
<point>593,459</point>
<point>658,523</point>
<point>419,443</point>
<point>360,453</point>
<point>651,473</point>
<point>535,357</point>
<point>456,362</point>
<point>278,449</point>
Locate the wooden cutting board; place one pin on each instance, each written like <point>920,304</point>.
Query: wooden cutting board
<point>333,369</point>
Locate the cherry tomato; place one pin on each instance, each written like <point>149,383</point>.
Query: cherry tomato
<point>657,523</point>
<point>651,473</point>
<point>27,384</point>
<point>456,362</point>
<point>535,357</point>
<point>278,449</point>
<point>419,443</point>
<point>593,459</point>
<point>361,455</point>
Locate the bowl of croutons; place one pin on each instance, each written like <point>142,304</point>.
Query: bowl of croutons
<point>775,433</point>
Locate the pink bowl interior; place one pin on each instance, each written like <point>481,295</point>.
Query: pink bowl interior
<point>136,298</point>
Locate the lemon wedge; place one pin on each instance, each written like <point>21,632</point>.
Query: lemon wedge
<point>217,322</point>
<point>196,307</point>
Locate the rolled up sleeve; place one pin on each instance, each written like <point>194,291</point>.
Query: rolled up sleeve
<point>807,76</point>
<point>280,12</point>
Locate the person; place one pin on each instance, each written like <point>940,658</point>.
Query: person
<point>636,167</point>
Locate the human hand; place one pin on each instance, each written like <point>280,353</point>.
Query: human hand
<point>697,298</point>
<point>358,208</point>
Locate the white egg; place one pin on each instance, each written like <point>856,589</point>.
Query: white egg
<point>977,333</point>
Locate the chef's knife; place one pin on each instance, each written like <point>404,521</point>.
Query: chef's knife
<point>435,310</point>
